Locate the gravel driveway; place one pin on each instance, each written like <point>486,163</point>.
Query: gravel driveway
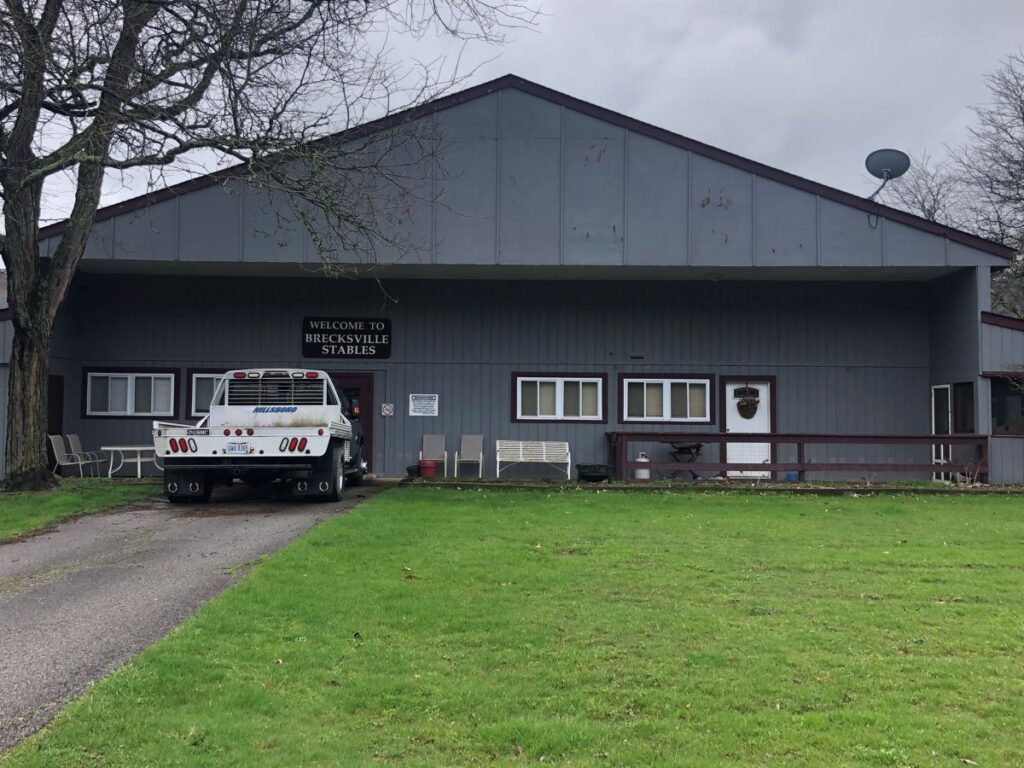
<point>82,599</point>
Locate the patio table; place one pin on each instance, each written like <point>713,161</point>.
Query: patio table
<point>119,453</point>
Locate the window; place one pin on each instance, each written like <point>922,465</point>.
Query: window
<point>554,397</point>
<point>963,408</point>
<point>1007,408</point>
<point>130,394</point>
<point>666,399</point>
<point>203,387</point>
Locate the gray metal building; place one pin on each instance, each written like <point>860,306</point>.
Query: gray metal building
<point>582,273</point>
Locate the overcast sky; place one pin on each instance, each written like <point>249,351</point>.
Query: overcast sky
<point>807,86</point>
<point>804,85</point>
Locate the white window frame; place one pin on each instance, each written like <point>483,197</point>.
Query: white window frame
<point>130,398</point>
<point>192,400</point>
<point>559,382</point>
<point>666,400</point>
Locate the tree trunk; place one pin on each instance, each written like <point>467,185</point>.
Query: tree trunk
<point>27,463</point>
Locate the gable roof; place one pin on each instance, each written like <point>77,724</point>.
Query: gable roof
<point>600,113</point>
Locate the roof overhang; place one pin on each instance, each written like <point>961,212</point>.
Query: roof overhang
<point>506,272</point>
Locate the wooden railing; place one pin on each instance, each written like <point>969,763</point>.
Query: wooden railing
<point>973,460</point>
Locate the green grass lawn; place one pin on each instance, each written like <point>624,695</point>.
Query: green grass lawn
<point>437,628</point>
<point>22,513</point>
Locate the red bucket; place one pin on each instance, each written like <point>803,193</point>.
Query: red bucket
<point>428,467</point>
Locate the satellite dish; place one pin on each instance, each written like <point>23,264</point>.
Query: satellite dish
<point>886,164</point>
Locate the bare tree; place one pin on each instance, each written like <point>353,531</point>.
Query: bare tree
<point>93,87</point>
<point>991,164</point>
<point>980,188</point>
<point>931,190</point>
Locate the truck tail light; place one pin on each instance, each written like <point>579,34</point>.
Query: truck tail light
<point>250,432</point>
<point>227,433</point>
<point>174,445</point>
<point>293,444</point>
<point>284,444</point>
<point>302,445</point>
<point>239,374</point>
<point>320,432</point>
<point>238,432</point>
<point>312,375</point>
<point>192,445</point>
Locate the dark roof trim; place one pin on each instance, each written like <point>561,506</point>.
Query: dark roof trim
<point>600,113</point>
<point>1003,321</point>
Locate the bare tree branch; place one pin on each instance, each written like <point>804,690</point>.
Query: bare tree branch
<point>90,87</point>
<point>981,187</point>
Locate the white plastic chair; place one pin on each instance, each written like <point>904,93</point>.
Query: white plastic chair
<point>471,451</point>
<point>63,457</point>
<point>95,458</point>
<point>434,450</point>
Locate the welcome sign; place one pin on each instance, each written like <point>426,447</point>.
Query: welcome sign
<point>346,338</point>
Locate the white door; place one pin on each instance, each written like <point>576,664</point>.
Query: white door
<point>942,424</point>
<point>748,409</point>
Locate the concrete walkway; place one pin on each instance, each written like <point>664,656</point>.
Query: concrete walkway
<point>80,600</point>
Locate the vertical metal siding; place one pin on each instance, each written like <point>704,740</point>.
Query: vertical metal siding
<point>720,215</point>
<point>1001,348</point>
<point>563,190</point>
<point>1006,459</point>
<point>839,368</point>
<point>655,195</point>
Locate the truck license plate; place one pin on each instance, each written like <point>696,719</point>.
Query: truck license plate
<point>237,449</point>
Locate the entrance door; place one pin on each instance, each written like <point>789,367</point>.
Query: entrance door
<point>54,411</point>
<point>748,409</point>
<point>942,424</point>
<point>358,388</point>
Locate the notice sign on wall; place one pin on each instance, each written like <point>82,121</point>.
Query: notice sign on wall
<point>346,337</point>
<point>423,405</point>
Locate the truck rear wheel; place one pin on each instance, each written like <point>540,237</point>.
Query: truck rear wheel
<point>191,487</point>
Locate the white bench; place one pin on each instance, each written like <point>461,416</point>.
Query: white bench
<point>554,454</point>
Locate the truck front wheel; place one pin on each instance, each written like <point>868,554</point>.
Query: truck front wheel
<point>337,472</point>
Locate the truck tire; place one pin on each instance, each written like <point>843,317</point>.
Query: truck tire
<point>337,472</point>
<point>182,497</point>
<point>355,474</point>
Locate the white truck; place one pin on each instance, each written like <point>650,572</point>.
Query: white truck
<point>283,424</point>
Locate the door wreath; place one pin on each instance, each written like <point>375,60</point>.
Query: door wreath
<point>748,403</point>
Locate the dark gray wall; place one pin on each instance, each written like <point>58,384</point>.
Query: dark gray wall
<point>849,357</point>
<point>954,328</point>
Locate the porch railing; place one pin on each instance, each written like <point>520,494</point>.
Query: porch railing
<point>972,459</point>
